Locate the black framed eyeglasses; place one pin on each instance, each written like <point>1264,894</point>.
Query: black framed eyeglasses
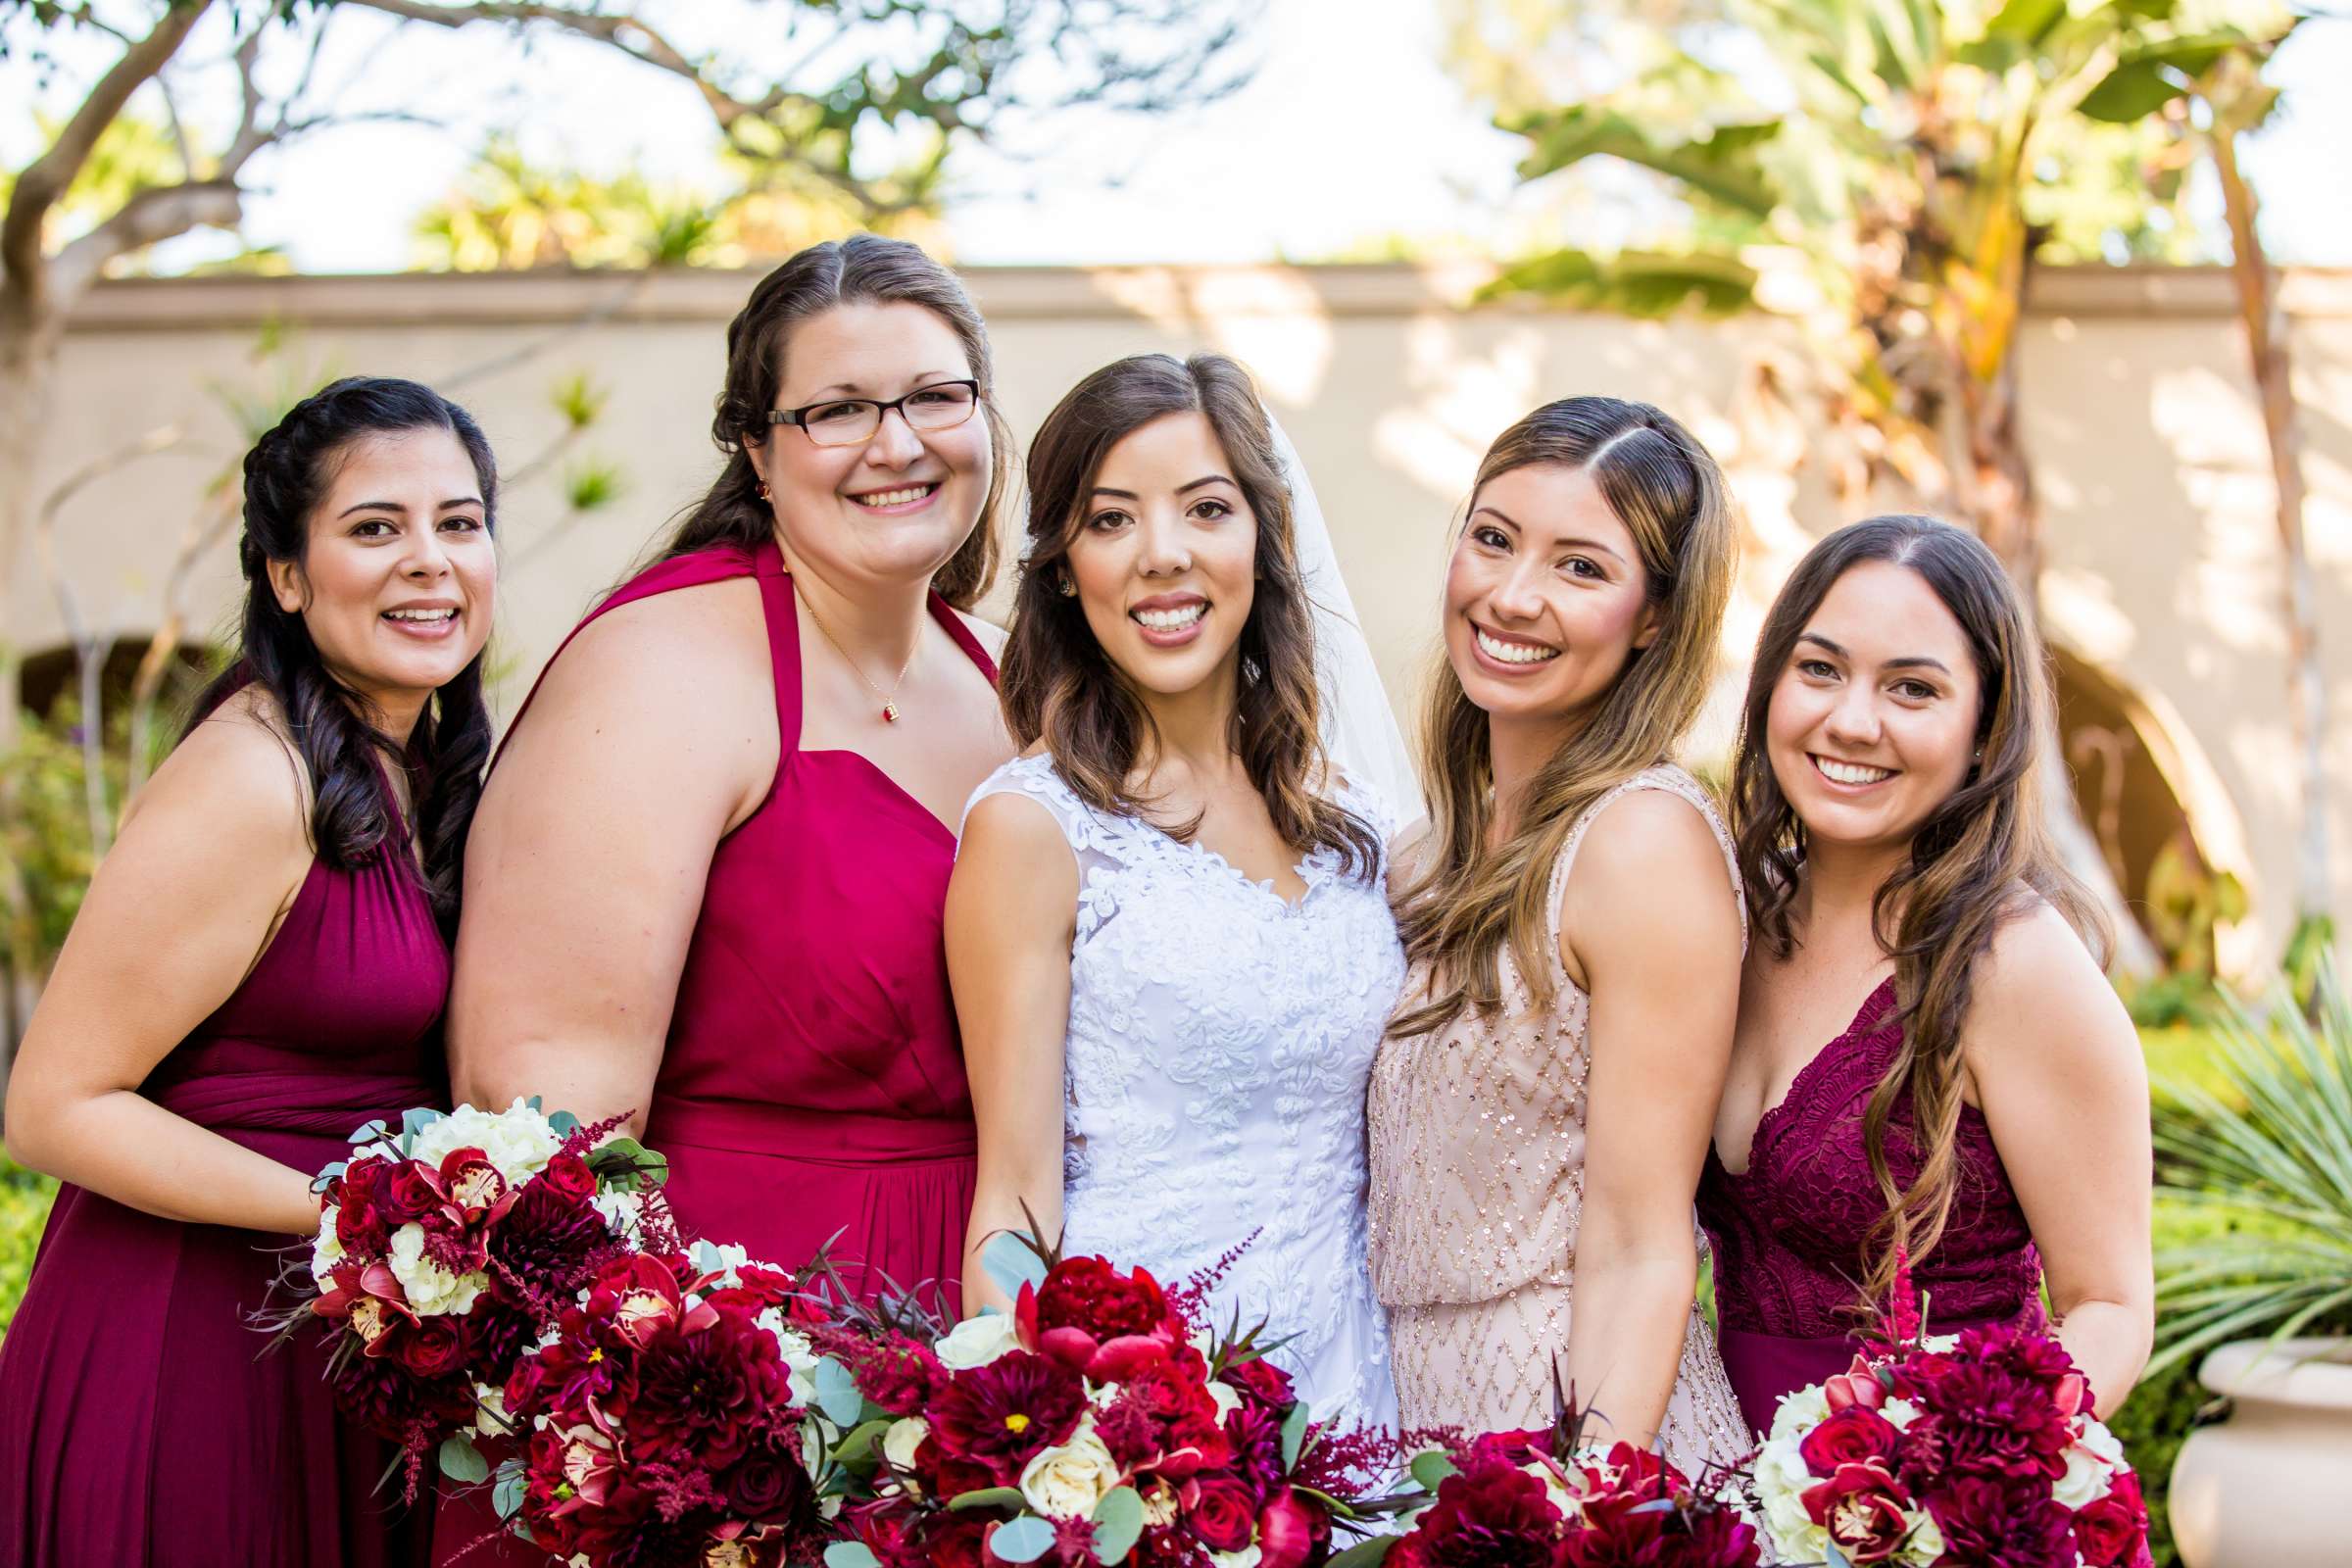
<point>847,422</point>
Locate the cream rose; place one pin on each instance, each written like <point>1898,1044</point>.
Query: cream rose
<point>1246,1557</point>
<point>2091,1466</point>
<point>1066,1482</point>
<point>327,1249</point>
<point>977,1340</point>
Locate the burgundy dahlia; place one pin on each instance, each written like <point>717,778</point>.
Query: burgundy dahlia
<point>1003,1414</point>
<point>1491,1515</point>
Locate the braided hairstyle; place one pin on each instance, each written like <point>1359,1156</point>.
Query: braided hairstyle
<point>286,477</point>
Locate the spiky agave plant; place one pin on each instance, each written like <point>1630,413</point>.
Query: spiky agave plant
<point>2266,1147</point>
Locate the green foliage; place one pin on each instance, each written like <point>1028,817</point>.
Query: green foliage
<point>580,401</point>
<point>24,1199</point>
<point>2265,1153</point>
<point>2168,1403</point>
<point>594,484</point>
<point>48,836</point>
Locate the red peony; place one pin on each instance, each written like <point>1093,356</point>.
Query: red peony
<point>1855,1434</point>
<point>1223,1516</point>
<point>1003,1414</point>
<point>1287,1530</point>
<point>1086,1292</point>
<point>1861,1507</point>
<point>2110,1532</point>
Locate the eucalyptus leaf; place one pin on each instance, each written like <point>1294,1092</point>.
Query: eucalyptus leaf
<point>507,1496</point>
<point>1432,1468</point>
<point>462,1463</point>
<point>1293,1434</point>
<point>1024,1540</point>
<point>1119,1522</point>
<point>837,1393</point>
<point>987,1498</point>
<point>1012,1264</point>
<point>564,1123</point>
<point>851,1554</point>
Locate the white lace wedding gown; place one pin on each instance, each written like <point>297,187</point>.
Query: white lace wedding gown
<point>1219,1045</point>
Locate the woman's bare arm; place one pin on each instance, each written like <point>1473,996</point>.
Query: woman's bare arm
<point>1650,917</point>
<point>181,910</point>
<point>650,739</point>
<point>1011,912</point>
<point>2058,1070</point>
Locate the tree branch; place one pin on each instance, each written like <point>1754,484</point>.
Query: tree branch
<point>47,179</point>
<point>154,214</point>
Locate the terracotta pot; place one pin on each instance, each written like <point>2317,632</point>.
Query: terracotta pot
<point>2272,1484</point>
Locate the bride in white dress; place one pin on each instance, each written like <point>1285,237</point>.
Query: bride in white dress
<point>1167,931</point>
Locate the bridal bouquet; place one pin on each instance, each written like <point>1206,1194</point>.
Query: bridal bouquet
<point>1538,1499</point>
<point>445,1249</point>
<point>666,1418</point>
<point>1097,1424</point>
<point>1978,1449</point>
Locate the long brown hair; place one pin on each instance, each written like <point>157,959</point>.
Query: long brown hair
<point>1057,682</point>
<point>1981,858</point>
<point>1468,900</point>
<point>862,270</point>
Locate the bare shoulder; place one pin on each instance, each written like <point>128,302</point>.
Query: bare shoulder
<point>670,663</point>
<point>1649,841</point>
<point>1410,855</point>
<point>1014,828</point>
<point>237,776</point>
<point>990,636</point>
<point>2038,988</point>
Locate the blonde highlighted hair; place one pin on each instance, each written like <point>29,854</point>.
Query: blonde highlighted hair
<point>1468,900</point>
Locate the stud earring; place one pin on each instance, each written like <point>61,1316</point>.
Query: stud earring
<point>1067,586</point>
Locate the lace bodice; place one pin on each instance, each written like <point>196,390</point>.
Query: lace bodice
<point>1218,1045</point>
<point>1789,1232</point>
<point>1478,1128</point>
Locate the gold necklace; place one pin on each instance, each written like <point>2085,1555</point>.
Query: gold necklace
<point>890,706</point>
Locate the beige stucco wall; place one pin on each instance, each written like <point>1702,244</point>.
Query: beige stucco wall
<point>2149,451</point>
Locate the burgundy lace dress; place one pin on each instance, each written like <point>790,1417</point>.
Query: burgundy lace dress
<point>1789,1232</point>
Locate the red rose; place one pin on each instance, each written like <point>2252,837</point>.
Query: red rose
<point>431,1349</point>
<point>955,1541</point>
<point>407,1194</point>
<point>1861,1507</point>
<point>569,1177</point>
<point>1222,1516</point>
<point>2110,1532</point>
<point>1264,1382</point>
<point>1855,1434</point>
<point>1286,1530</point>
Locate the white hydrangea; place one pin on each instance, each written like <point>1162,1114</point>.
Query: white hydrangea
<point>1247,1557</point>
<point>1782,1479</point>
<point>430,1289</point>
<point>977,1340</point>
<point>800,1357</point>
<point>2091,1461</point>
<point>1224,1396</point>
<point>1900,1413</point>
<point>1925,1544</point>
<point>1800,1413</point>
<point>327,1249</point>
<point>1066,1481</point>
<point>518,1141</point>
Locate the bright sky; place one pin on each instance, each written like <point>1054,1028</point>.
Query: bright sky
<point>1351,129</point>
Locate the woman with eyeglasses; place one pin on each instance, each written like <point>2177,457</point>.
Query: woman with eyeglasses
<point>713,854</point>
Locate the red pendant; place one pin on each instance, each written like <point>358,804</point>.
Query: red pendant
<point>890,712</point>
